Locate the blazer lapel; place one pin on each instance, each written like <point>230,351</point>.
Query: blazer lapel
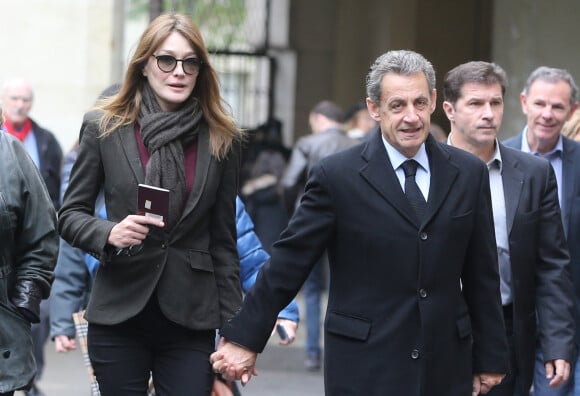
<point>379,173</point>
<point>513,182</point>
<point>202,166</point>
<point>128,142</point>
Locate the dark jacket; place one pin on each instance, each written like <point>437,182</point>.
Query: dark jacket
<point>50,157</point>
<point>27,257</point>
<point>570,212</point>
<point>413,309</point>
<point>194,269</point>
<point>540,263</point>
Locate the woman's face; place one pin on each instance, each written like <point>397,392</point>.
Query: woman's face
<point>172,87</point>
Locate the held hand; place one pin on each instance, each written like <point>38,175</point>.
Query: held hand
<point>64,344</point>
<point>290,327</point>
<point>233,362</point>
<point>557,371</point>
<point>482,383</point>
<point>132,230</point>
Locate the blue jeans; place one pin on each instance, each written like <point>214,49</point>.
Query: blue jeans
<point>312,291</point>
<point>541,384</point>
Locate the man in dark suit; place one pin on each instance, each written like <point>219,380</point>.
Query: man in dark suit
<point>532,253</point>
<point>414,305</point>
<point>548,100</point>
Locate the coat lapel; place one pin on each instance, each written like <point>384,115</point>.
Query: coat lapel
<point>443,174</point>
<point>379,173</point>
<point>513,182</point>
<point>202,167</point>
<point>128,142</point>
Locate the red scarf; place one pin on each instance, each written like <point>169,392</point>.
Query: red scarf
<point>22,133</point>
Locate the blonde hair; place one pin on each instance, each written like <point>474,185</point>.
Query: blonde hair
<point>123,108</point>
<point>571,128</point>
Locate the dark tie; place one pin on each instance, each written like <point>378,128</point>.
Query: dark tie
<point>412,190</point>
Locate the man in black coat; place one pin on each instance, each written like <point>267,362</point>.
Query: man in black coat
<point>532,253</point>
<point>414,305</point>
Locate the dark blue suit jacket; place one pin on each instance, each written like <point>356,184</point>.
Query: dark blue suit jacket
<point>570,210</point>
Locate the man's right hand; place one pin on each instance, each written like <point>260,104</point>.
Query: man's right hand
<point>234,362</point>
<point>482,383</point>
<point>63,343</point>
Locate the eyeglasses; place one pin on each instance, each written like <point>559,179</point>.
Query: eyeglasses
<point>168,63</point>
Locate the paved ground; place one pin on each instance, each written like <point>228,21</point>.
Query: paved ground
<point>281,372</point>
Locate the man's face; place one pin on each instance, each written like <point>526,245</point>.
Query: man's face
<point>404,113</point>
<point>547,107</point>
<point>17,101</point>
<point>476,116</point>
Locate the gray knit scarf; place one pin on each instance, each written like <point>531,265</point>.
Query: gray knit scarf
<point>165,134</point>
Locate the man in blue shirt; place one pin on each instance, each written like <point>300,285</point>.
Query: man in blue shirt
<point>548,100</point>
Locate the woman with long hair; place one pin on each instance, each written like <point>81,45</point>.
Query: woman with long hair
<point>164,285</point>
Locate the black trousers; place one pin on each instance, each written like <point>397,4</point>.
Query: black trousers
<point>7,394</point>
<point>123,356</point>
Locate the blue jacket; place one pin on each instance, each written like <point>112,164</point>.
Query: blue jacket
<point>253,257</point>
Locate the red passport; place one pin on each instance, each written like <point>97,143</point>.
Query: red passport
<point>153,201</point>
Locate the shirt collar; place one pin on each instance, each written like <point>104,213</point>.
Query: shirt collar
<point>397,158</point>
<point>496,159</point>
<point>557,150</point>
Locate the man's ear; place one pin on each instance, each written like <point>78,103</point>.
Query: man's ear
<point>449,110</point>
<point>523,103</point>
<point>373,110</point>
<point>433,100</point>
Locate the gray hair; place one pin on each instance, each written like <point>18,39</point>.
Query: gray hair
<point>402,62</point>
<point>552,75</point>
<point>18,82</point>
